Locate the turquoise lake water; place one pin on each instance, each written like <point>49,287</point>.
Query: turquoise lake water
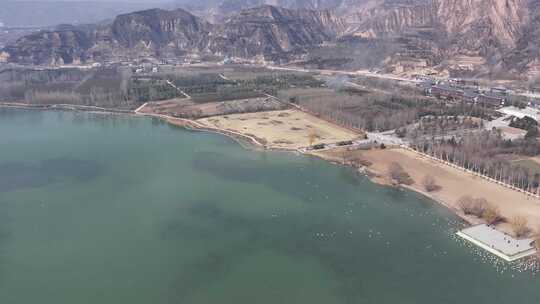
<point>119,209</point>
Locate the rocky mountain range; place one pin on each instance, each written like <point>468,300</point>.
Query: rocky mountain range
<point>470,35</point>
<point>269,30</point>
<point>266,30</point>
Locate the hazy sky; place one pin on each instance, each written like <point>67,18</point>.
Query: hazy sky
<point>36,13</point>
<point>133,1</point>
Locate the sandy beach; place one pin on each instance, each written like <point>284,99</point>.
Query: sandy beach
<point>454,184</point>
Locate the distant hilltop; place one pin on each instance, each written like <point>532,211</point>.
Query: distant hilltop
<point>480,37</point>
<point>265,30</point>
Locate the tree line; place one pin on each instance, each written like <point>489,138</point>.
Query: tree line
<point>483,152</point>
<point>381,111</point>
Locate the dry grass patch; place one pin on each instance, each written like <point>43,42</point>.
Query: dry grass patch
<point>456,183</point>
<point>471,206</point>
<point>275,127</point>
<point>520,226</point>
<point>491,215</point>
<point>480,208</point>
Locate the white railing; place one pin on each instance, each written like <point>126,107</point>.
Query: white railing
<point>509,186</point>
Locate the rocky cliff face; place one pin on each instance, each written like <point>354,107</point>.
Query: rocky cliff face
<point>387,20</point>
<point>501,20</point>
<point>50,47</point>
<point>226,8</point>
<point>525,57</point>
<point>482,23</point>
<point>266,30</point>
<point>448,28</point>
<point>151,32</point>
<point>269,30</point>
<point>158,29</point>
<point>502,33</point>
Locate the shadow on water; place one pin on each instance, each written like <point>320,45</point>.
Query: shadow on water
<point>237,169</point>
<point>240,236</point>
<point>298,234</point>
<point>21,175</point>
<point>5,237</point>
<point>205,220</point>
<point>29,117</point>
<point>226,167</point>
<point>350,176</point>
<point>104,119</point>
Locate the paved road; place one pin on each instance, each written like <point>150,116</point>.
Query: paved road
<point>140,108</point>
<point>223,77</point>
<point>387,138</point>
<point>172,85</point>
<point>349,73</point>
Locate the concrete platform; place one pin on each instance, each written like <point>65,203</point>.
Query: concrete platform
<point>498,243</point>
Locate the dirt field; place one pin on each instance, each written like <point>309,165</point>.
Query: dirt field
<point>454,183</point>
<point>287,129</point>
<point>188,109</point>
<point>166,106</point>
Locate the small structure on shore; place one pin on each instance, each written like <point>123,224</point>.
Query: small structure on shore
<point>520,113</point>
<point>498,243</point>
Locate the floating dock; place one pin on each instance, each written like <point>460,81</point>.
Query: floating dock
<point>498,243</point>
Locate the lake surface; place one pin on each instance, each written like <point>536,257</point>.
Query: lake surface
<point>118,209</point>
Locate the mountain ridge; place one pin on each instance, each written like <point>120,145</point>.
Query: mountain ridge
<point>158,32</point>
<point>470,35</point>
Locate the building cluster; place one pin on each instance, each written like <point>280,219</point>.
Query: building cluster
<point>494,97</point>
<point>148,65</point>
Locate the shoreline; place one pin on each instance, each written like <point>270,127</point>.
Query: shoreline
<point>454,184</point>
<point>64,107</point>
<point>243,140</point>
<point>175,121</point>
<point>249,142</point>
<point>376,177</point>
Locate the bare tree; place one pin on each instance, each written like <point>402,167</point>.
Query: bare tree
<point>472,206</point>
<point>491,215</point>
<point>480,152</point>
<point>466,203</point>
<point>537,240</point>
<point>519,226</point>
<point>430,184</point>
<point>398,174</point>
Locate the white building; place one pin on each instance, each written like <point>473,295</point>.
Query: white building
<point>498,243</point>
<point>520,113</point>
